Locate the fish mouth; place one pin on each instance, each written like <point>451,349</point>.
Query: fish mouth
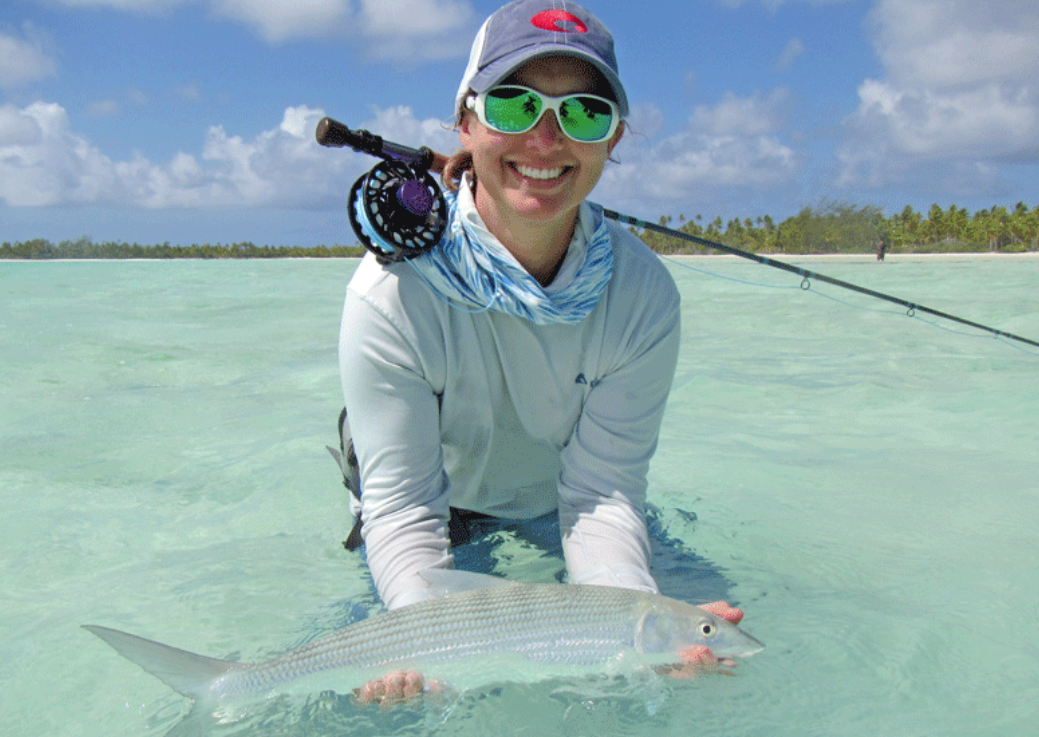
<point>747,646</point>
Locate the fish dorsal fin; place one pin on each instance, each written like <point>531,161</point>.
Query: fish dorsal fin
<point>444,581</point>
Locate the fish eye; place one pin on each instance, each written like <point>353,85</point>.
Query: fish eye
<point>706,628</point>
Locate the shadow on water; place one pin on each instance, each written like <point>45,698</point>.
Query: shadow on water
<point>531,550</point>
<point>679,572</point>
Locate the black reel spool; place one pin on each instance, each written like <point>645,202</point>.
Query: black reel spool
<point>397,211</point>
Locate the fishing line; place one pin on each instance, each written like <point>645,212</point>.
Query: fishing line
<point>398,212</point>
<point>807,275</point>
<point>852,305</point>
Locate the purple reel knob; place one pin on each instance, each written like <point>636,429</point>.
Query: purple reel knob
<point>415,197</point>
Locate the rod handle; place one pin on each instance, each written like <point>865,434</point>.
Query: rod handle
<point>334,134</point>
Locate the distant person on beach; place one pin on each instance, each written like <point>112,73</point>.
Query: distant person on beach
<point>881,249</point>
<point>520,369</point>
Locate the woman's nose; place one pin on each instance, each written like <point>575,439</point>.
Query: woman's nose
<point>547,130</point>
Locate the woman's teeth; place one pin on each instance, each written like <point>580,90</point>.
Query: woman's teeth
<point>533,173</point>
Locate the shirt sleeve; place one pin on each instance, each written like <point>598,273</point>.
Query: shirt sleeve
<point>603,481</point>
<point>394,420</point>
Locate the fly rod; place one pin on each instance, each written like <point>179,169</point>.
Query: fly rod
<point>398,212</point>
<point>911,307</point>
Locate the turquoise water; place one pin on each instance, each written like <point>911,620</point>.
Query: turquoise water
<point>864,485</point>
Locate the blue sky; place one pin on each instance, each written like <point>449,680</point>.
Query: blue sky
<point>192,121</point>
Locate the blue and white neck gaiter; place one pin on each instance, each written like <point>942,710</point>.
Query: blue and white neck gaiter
<point>471,269</point>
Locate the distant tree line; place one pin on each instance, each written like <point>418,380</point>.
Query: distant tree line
<point>838,227</point>
<point>829,227</point>
<point>85,248</point>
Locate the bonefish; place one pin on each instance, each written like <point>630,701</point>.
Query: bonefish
<point>489,630</point>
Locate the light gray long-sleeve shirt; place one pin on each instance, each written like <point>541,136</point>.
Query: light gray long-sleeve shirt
<point>492,413</point>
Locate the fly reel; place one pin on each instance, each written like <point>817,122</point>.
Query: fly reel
<point>397,211</point>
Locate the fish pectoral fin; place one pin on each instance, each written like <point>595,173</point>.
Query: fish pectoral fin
<point>186,673</point>
<point>445,581</point>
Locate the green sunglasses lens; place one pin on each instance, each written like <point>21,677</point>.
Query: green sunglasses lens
<point>515,110</point>
<point>512,110</point>
<point>585,118</point>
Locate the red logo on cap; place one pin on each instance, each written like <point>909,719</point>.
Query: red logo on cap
<point>553,20</point>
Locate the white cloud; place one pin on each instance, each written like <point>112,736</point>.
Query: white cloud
<point>645,120</point>
<point>746,116</point>
<point>794,49</point>
<point>407,31</point>
<point>277,20</point>
<point>17,129</point>
<point>941,44</point>
<point>399,123</point>
<point>733,145</point>
<point>137,96</point>
<point>396,23</point>
<point>103,109</point>
<point>44,163</point>
<point>24,57</point>
<point>983,121</point>
<point>137,6</point>
<point>404,30</point>
<point>959,99</point>
<point>776,4</point>
<point>188,92</point>
<point>110,107</point>
<point>414,17</point>
<point>41,163</point>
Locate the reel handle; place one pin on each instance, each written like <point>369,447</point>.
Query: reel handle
<point>334,134</point>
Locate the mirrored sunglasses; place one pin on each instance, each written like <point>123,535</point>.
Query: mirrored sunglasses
<point>583,117</point>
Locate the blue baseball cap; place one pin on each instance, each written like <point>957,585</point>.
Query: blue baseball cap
<point>529,29</point>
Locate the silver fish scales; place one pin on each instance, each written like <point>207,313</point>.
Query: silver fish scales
<point>494,630</point>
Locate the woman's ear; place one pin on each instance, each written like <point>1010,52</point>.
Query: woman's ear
<point>617,136</point>
<point>465,128</point>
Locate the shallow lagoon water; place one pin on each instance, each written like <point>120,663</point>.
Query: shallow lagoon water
<point>864,485</point>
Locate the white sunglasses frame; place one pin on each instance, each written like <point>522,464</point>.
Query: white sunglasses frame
<point>478,104</point>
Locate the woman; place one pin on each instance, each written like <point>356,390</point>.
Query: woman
<point>521,369</point>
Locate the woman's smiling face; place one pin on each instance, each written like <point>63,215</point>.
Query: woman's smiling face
<point>540,176</point>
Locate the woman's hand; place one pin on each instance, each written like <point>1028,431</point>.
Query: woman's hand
<point>394,688</point>
<point>723,610</point>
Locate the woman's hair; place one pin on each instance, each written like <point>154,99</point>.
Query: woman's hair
<point>460,162</point>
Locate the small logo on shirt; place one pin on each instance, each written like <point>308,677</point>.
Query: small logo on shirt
<point>581,380</point>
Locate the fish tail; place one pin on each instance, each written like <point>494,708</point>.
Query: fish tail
<point>186,673</point>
